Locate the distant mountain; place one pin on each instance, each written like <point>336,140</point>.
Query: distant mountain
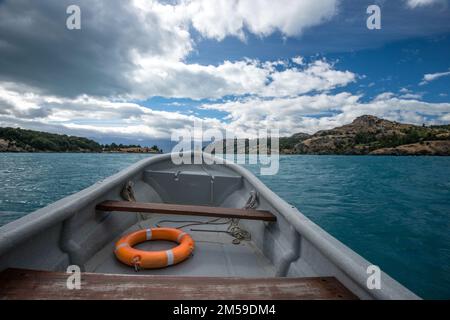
<point>287,144</point>
<point>371,135</point>
<point>365,135</point>
<point>21,140</point>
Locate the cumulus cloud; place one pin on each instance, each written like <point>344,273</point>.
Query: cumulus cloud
<point>139,49</point>
<point>317,76</point>
<point>90,115</point>
<point>247,77</point>
<point>220,18</point>
<point>100,117</point>
<point>250,115</point>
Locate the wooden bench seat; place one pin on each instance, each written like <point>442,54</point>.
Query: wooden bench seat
<point>164,208</point>
<point>32,284</point>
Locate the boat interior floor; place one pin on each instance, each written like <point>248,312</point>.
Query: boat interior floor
<point>215,254</point>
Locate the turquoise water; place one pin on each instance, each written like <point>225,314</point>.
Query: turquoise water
<point>33,180</point>
<point>394,211</point>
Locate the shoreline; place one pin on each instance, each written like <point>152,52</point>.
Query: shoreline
<point>281,154</point>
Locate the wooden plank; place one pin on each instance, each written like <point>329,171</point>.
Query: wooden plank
<point>31,284</point>
<point>165,208</point>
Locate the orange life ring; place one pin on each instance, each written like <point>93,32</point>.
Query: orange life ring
<point>125,252</point>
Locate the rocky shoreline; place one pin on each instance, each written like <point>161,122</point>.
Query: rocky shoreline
<point>426,148</point>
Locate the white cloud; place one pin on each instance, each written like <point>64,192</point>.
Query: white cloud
<point>90,116</point>
<point>249,115</point>
<point>180,80</point>
<point>414,96</point>
<point>220,18</point>
<point>322,111</point>
<point>298,60</point>
<point>433,76</point>
<point>100,117</point>
<point>384,96</point>
<point>404,90</point>
<point>422,3</point>
<point>317,76</point>
<point>195,81</point>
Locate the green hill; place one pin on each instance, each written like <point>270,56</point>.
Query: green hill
<point>20,140</point>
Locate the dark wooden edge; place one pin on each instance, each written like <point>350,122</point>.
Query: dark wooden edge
<point>33,284</point>
<point>164,208</point>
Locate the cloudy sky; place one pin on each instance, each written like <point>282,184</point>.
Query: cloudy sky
<point>139,69</point>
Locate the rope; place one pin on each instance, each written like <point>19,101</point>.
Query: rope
<point>192,222</point>
<point>252,201</point>
<point>127,194</point>
<point>239,234</point>
<point>136,264</point>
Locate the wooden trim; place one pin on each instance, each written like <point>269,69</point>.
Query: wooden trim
<point>32,284</point>
<point>164,208</point>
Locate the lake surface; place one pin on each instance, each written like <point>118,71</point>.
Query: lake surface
<point>394,211</point>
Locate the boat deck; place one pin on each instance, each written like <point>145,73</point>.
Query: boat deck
<point>30,284</point>
<point>214,256</point>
